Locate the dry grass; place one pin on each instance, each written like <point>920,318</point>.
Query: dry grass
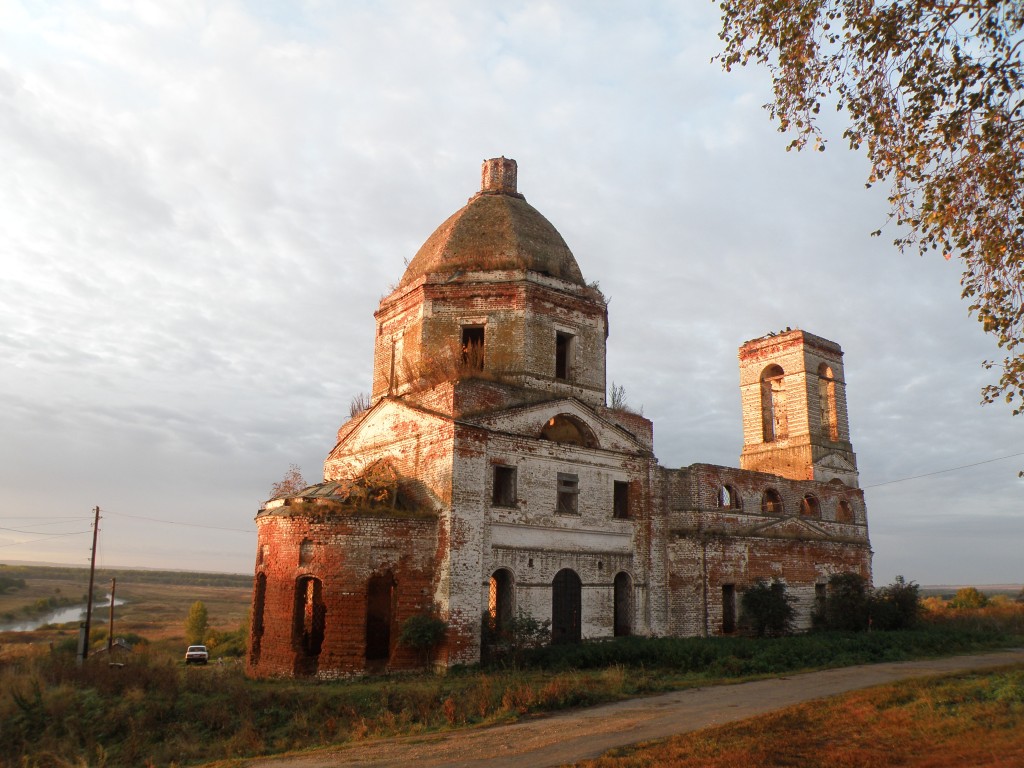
<point>968,720</point>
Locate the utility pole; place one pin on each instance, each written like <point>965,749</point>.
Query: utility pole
<point>110,632</point>
<point>83,635</point>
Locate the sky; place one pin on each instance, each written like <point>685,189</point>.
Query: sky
<point>202,204</point>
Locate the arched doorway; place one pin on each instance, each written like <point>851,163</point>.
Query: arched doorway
<point>566,602</point>
<point>623,605</point>
<point>380,601</point>
<point>499,599</point>
<point>309,620</point>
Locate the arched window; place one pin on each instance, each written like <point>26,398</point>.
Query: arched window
<point>773,404</point>
<point>728,498</point>
<point>566,604</point>
<point>566,428</point>
<point>309,619</point>
<point>844,512</point>
<point>500,598</point>
<point>827,401</point>
<point>771,502</point>
<point>380,606</point>
<point>259,599</point>
<point>623,605</point>
<point>809,506</point>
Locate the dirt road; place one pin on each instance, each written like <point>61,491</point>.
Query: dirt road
<point>569,736</point>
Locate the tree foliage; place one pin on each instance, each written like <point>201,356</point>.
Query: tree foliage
<point>934,92</point>
<point>196,624</point>
<point>968,597</point>
<point>290,484</point>
<point>766,609</point>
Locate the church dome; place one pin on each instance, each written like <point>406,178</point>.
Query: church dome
<point>496,230</point>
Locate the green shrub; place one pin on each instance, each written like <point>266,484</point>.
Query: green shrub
<point>845,607</point>
<point>766,610</point>
<point>423,632</point>
<point>896,606</point>
<point>514,639</point>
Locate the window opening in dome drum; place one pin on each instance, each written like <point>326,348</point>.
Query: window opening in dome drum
<point>563,355</point>
<point>473,346</point>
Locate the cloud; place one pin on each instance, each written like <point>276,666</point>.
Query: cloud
<point>203,203</point>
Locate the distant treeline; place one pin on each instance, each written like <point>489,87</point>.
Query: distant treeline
<point>125,575</point>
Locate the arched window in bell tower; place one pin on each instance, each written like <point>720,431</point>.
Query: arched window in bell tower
<point>827,399</point>
<point>773,404</point>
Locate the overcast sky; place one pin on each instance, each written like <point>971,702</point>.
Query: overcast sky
<point>201,205</point>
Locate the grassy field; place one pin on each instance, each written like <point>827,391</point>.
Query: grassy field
<point>965,720</point>
<point>154,712</point>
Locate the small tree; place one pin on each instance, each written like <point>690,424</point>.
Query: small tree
<point>766,610</point>
<point>360,403</point>
<point>897,606</point>
<point>517,635</point>
<point>196,624</point>
<point>422,633</point>
<point>846,605</point>
<point>290,484</point>
<point>968,597</point>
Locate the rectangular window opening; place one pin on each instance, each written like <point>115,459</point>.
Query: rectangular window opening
<point>568,493</point>
<point>728,609</point>
<point>473,346</point>
<point>504,492</point>
<point>563,356</point>
<point>620,509</point>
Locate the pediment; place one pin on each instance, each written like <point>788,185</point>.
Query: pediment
<point>835,462</point>
<point>789,528</point>
<point>556,420</point>
<point>389,419</point>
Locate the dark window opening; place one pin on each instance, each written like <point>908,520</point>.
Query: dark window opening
<point>473,346</point>
<point>771,502</point>
<point>504,491</point>
<point>621,500</point>
<point>623,605</point>
<point>566,604</point>
<point>809,506</point>
<point>728,609</point>
<point>728,498</point>
<point>258,606</point>
<point>380,603</point>
<point>844,513</point>
<point>568,493</point>
<point>563,356</point>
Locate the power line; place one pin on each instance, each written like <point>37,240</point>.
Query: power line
<point>44,538</point>
<point>943,471</point>
<point>178,522</point>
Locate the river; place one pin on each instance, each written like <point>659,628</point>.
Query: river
<point>61,616</point>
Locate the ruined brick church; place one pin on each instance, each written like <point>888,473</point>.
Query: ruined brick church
<point>489,477</point>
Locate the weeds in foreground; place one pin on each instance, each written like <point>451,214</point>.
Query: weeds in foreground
<point>975,719</point>
<point>154,712</point>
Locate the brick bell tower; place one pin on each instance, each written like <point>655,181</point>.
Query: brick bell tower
<point>795,422</point>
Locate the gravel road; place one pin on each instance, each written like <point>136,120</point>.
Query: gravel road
<point>566,737</point>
